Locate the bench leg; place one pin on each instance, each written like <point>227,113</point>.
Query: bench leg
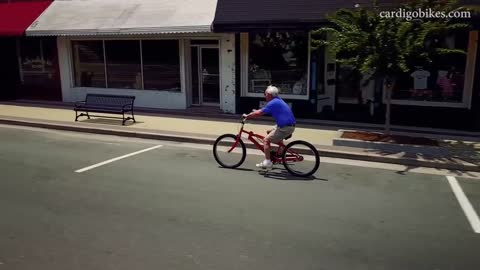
<point>80,115</point>
<point>133,117</point>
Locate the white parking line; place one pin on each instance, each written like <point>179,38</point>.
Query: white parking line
<point>117,158</point>
<point>465,204</point>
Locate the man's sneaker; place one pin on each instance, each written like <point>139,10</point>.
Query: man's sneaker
<point>265,164</point>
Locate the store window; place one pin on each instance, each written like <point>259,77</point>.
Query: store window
<point>89,67</point>
<point>348,86</point>
<point>122,61</point>
<point>279,59</point>
<point>123,64</point>
<point>37,59</point>
<point>440,81</point>
<point>161,65</point>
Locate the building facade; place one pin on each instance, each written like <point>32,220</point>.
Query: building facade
<point>274,47</point>
<point>161,52</point>
<point>222,54</point>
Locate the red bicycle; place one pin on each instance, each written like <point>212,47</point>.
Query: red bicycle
<point>300,158</point>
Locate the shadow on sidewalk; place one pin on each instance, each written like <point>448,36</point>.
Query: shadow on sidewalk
<point>107,121</point>
<point>458,152</point>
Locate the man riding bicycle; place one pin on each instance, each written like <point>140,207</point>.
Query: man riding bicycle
<point>285,121</point>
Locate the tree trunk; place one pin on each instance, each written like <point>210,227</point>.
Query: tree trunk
<point>390,84</point>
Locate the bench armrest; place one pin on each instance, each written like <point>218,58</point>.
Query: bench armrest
<point>127,106</point>
<point>79,103</point>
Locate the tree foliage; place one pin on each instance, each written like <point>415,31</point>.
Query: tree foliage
<point>386,47</point>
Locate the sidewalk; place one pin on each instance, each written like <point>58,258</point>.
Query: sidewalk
<point>464,151</point>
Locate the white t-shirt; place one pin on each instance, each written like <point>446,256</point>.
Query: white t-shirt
<point>420,79</point>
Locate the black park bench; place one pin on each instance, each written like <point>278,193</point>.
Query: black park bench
<point>114,104</point>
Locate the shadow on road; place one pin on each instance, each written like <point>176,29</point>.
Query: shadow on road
<point>236,169</point>
<point>280,174</point>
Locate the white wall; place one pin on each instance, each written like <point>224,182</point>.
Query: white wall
<point>227,73</point>
<point>144,98</point>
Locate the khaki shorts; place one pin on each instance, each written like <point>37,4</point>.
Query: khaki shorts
<point>278,134</point>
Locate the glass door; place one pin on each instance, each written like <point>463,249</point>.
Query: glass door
<point>205,76</point>
<point>210,76</point>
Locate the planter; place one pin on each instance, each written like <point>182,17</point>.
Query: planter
<point>391,143</point>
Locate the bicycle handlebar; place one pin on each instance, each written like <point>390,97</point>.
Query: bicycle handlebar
<point>243,119</point>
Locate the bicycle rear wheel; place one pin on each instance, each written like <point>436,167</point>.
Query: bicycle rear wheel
<point>231,159</point>
<point>301,158</point>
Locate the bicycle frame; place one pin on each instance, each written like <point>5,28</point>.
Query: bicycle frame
<point>291,156</point>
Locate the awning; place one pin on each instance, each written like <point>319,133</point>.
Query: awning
<point>16,17</point>
<point>251,15</point>
<point>118,17</point>
<point>266,15</point>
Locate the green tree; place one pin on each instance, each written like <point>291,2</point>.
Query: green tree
<point>384,47</point>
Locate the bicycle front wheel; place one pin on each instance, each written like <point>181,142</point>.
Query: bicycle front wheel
<point>301,158</point>
<point>227,154</point>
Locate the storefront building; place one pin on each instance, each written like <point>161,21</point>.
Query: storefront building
<point>162,52</point>
<point>273,42</point>
<point>221,54</point>
<point>29,66</point>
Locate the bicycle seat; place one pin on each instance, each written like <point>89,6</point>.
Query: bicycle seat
<point>288,137</point>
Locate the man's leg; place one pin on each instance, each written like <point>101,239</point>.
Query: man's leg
<point>267,163</point>
<point>267,141</point>
<point>266,149</point>
<point>283,133</point>
<point>273,136</point>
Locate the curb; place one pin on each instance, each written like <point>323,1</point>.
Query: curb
<point>199,140</point>
<point>126,133</point>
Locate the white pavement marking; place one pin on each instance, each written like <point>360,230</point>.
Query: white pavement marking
<point>465,204</point>
<point>117,158</point>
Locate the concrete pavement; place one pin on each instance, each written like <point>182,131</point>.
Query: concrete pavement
<point>464,155</point>
<point>174,208</point>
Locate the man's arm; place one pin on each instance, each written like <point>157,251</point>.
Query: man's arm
<point>255,113</point>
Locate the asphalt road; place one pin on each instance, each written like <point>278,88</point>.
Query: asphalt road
<point>173,208</point>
